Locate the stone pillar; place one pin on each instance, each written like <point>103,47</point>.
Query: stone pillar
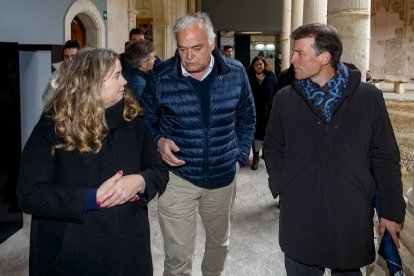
<point>116,22</point>
<point>165,14</point>
<point>162,39</point>
<point>368,36</point>
<point>161,28</point>
<point>285,33</point>
<point>192,6</point>
<point>315,11</point>
<point>132,19</point>
<point>351,20</point>
<point>297,14</point>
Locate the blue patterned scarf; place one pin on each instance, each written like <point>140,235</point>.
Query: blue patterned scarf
<point>324,98</point>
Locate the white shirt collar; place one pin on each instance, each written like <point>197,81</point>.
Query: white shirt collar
<point>208,71</point>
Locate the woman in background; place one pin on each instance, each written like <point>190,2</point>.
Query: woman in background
<point>263,83</point>
<point>88,170</point>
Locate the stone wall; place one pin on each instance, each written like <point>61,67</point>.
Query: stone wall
<point>392,37</point>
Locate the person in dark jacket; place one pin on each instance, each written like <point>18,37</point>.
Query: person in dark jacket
<point>88,170</point>
<point>286,77</point>
<point>228,51</point>
<point>278,64</point>
<point>263,83</point>
<point>329,148</point>
<point>137,34</point>
<point>138,62</point>
<point>200,111</point>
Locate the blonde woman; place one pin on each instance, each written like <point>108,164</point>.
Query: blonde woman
<point>88,171</point>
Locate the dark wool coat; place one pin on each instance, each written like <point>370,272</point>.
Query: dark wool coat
<point>64,239</point>
<point>263,97</point>
<point>173,110</point>
<point>327,174</point>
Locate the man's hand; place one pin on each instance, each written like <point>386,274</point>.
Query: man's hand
<point>392,227</point>
<point>166,148</point>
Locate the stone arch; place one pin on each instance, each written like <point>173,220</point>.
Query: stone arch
<point>91,19</point>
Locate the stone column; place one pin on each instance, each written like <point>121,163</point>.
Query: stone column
<point>116,23</point>
<point>368,36</point>
<point>351,20</point>
<point>192,6</point>
<point>285,33</point>
<point>315,11</point>
<point>297,14</point>
<point>162,39</point>
<point>161,28</point>
<point>165,14</point>
<point>132,19</point>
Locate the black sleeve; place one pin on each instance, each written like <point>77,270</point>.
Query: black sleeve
<point>385,164</point>
<point>153,170</point>
<point>37,191</point>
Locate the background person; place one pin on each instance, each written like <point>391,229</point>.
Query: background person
<point>138,34</point>
<point>138,61</point>
<point>70,48</point>
<point>88,170</point>
<point>228,51</point>
<point>263,83</point>
<point>329,148</point>
<point>286,77</point>
<point>278,64</point>
<point>200,111</point>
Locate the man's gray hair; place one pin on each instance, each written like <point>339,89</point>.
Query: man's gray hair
<point>200,18</point>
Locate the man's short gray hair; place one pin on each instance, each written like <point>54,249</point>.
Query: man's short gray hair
<point>199,18</point>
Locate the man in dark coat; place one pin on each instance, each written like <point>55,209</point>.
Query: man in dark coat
<point>329,147</point>
<point>138,63</point>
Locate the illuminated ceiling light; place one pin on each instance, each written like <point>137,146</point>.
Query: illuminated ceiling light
<point>260,46</point>
<point>251,33</point>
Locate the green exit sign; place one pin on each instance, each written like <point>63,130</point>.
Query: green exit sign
<point>105,15</point>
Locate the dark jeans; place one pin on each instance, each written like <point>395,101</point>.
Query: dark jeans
<point>295,268</point>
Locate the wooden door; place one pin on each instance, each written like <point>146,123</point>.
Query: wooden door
<point>78,31</point>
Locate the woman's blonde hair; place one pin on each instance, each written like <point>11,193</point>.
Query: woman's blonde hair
<point>77,110</point>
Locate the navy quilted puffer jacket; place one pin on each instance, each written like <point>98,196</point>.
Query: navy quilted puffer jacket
<point>173,110</point>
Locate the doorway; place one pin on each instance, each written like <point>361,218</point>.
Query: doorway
<point>84,22</point>
<point>78,31</point>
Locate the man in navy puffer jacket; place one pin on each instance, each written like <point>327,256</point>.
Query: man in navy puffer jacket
<point>200,111</point>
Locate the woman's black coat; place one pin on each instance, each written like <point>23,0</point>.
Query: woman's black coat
<point>263,98</point>
<point>64,239</point>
